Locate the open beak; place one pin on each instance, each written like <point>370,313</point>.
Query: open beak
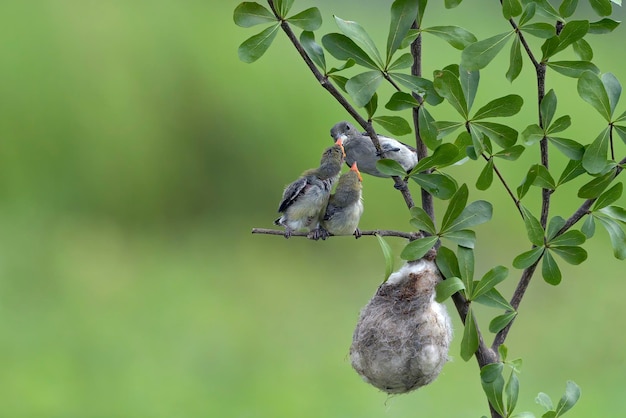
<point>356,170</point>
<point>339,142</point>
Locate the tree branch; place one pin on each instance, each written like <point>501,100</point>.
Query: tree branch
<point>411,236</point>
<point>505,184</point>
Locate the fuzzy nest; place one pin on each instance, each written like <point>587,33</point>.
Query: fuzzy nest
<point>402,337</point>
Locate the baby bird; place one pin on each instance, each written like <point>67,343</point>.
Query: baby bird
<point>359,148</point>
<point>304,200</point>
<point>345,206</point>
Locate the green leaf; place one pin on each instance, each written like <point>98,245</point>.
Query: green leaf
<point>411,36</point>
<point>533,228</point>
<point>422,221</point>
<point>532,134</point>
<point>464,238</point>
<point>404,61</point>
<point>572,31</point>
<point>444,155</point>
<point>419,85</point>
<point>451,4</point>
<point>313,50</point>
<point>448,86</point>
<point>344,48</point>
<point>338,79</point>
<point>615,212</point>
<point>395,125</point>
<point>371,106</point>
<point>544,178</point>
<point>447,263</point>
<point>447,288</point>
<point>544,8</point>
<point>356,32</point>
<point>608,197</point>
<point>474,214</point>
<point>403,14</point>
<point>502,135</point>
<point>478,143</point>
<point>601,7</point>
<point>499,322</point>
<point>515,61</point>
<point>583,50</point>
<point>573,69</point>
<point>401,101</point>
<point>621,131</point>
<point>388,254</point>
<point>511,153</point>
<point>511,8</point>
<point>347,64</point>
<point>493,387</point>
<point>363,86</point>
<point>617,236</point>
<point>500,107</point>
<point>568,7</point>
<point>540,30</point>
<point>589,227</point>
<point>469,84</point>
<point>596,186</point>
<point>560,125</point>
<point>427,128</point>
<point>549,48</point>
<point>613,89</point>
<point>254,47</point>
<point>415,250</point>
<point>545,401</point>
<point>528,258</point>
<point>523,188</point>
<point>550,270</point>
<point>466,267</point>
<point>458,38</point>
<point>440,186</point>
<point>469,343</point>
<point>249,14</point>
<point>455,207</point>
<point>309,19</point>
<point>568,239</point>
<point>570,148</point>
<point>569,398</point>
<point>489,281</point>
<point>283,7</point>
<point>571,254</point>
<point>548,108</point>
<point>486,176</point>
<point>555,225</point>
<point>479,54</point>
<point>390,167</point>
<point>573,169</point>
<point>494,299</point>
<point>512,392</point>
<point>605,25</point>
<point>591,89</point>
<point>444,128</point>
<point>594,159</point>
<point>527,14</point>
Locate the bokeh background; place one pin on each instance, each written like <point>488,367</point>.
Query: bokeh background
<point>136,154</point>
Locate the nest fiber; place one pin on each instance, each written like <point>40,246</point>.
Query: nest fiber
<point>402,337</point>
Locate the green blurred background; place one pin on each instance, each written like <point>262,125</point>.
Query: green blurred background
<point>136,154</point>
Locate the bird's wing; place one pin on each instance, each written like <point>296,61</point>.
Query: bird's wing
<point>292,192</point>
<point>330,211</point>
<point>388,147</point>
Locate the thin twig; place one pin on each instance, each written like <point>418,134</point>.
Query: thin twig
<point>382,232</point>
<point>504,183</point>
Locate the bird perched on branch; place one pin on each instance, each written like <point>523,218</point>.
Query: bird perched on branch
<point>359,148</point>
<point>345,207</point>
<point>305,199</point>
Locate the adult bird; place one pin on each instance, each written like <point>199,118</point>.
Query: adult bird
<point>359,148</point>
<point>304,200</point>
<point>345,206</point>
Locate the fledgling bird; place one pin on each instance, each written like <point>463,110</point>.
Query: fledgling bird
<point>359,148</point>
<point>345,206</point>
<point>305,199</point>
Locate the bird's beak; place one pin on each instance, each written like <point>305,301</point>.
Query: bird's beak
<point>339,142</point>
<point>356,170</point>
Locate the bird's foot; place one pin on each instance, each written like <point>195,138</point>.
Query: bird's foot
<point>288,233</point>
<point>357,233</point>
<point>318,233</point>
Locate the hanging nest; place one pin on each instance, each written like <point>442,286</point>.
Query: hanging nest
<point>402,337</point>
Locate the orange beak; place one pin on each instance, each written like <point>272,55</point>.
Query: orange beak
<point>339,142</point>
<point>356,170</point>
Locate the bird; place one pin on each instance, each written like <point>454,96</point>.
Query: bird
<point>359,147</point>
<point>305,199</point>
<point>345,206</point>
